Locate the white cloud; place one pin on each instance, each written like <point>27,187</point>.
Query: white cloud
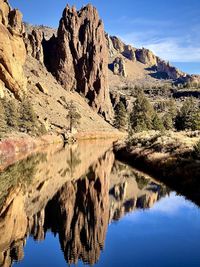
<point>172,204</point>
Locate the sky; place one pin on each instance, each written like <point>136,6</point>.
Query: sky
<point>170,28</point>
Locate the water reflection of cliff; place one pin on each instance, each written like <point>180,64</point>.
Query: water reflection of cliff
<point>74,192</point>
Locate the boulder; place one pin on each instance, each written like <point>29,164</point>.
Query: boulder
<point>42,88</point>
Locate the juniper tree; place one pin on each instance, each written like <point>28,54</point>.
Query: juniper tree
<point>142,114</point>
<point>188,116</point>
<point>168,122</point>
<point>120,120</point>
<point>12,113</point>
<point>28,118</point>
<point>73,116</point>
<point>172,108</point>
<point>157,123</point>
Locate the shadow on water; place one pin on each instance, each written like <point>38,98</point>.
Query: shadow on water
<point>74,193</point>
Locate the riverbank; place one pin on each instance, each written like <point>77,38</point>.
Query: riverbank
<point>168,157</point>
<point>17,147</point>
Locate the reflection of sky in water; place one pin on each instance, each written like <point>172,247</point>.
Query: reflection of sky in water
<point>168,235</point>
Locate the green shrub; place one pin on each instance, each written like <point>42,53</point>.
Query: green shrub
<point>157,123</point>
<point>141,115</point>
<point>120,120</point>
<point>189,116</point>
<point>197,150</point>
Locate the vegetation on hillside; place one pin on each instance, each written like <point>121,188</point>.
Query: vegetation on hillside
<point>73,116</point>
<point>121,118</point>
<point>160,115</point>
<point>19,117</point>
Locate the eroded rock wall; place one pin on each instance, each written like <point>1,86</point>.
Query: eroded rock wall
<point>78,56</point>
<point>12,49</point>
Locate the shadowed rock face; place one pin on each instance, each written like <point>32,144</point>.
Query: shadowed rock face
<point>78,56</point>
<point>12,49</point>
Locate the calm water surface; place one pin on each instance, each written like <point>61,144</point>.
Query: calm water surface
<point>79,206</point>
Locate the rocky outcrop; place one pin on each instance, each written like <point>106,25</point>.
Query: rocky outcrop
<point>12,49</point>
<point>78,57</point>
<point>116,46</point>
<point>119,67</point>
<point>145,56</point>
<point>33,42</point>
<point>129,52</point>
<point>171,72</point>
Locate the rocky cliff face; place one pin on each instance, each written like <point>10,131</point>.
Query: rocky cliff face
<point>171,72</point>
<point>33,43</point>
<point>12,49</point>
<point>78,56</point>
<point>145,56</point>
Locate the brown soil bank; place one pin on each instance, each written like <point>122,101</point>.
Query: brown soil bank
<point>13,149</point>
<point>18,147</point>
<point>169,158</point>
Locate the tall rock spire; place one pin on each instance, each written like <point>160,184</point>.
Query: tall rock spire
<point>78,57</point>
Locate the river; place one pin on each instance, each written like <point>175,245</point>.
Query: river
<point>79,206</point>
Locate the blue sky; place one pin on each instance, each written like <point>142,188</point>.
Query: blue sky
<point>170,28</point>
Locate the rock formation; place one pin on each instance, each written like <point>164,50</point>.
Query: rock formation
<point>171,72</point>
<point>33,42</point>
<point>12,49</point>
<point>145,56</point>
<point>119,67</point>
<point>78,56</point>
<point>129,53</point>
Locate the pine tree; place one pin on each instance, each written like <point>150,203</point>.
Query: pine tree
<point>142,114</point>
<point>168,121</point>
<point>172,108</point>
<point>157,123</point>
<point>12,114</point>
<point>188,116</point>
<point>28,118</point>
<point>196,120</point>
<point>120,120</point>
<point>73,116</point>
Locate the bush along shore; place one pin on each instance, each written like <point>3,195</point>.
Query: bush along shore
<point>171,157</point>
